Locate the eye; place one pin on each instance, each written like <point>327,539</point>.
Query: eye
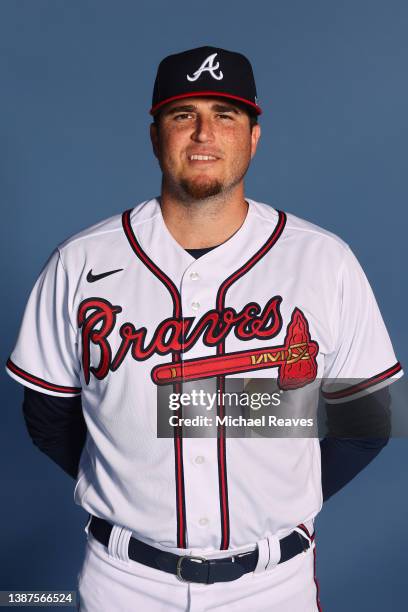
<point>182,116</point>
<point>225,116</point>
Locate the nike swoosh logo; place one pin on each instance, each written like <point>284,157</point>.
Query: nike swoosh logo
<point>91,278</point>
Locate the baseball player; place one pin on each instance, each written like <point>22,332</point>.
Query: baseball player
<point>199,281</point>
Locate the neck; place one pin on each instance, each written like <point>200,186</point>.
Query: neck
<point>204,223</point>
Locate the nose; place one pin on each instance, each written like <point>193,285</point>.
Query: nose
<point>203,131</point>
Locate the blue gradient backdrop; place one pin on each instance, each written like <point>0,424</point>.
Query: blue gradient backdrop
<point>76,82</point>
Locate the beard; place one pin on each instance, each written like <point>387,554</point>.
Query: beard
<point>201,190</point>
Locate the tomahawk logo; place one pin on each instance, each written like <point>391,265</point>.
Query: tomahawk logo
<point>208,66</point>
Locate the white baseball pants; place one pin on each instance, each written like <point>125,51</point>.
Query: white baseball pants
<point>109,584</point>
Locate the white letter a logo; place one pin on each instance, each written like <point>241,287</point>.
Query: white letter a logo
<point>207,66</point>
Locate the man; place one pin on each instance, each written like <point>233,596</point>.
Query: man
<point>201,282</point>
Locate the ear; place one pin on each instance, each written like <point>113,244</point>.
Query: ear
<point>255,136</point>
<point>154,137</point>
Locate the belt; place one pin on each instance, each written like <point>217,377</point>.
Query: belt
<point>189,568</point>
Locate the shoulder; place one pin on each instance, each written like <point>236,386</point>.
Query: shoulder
<point>104,242</point>
<point>108,233</point>
<point>298,232</point>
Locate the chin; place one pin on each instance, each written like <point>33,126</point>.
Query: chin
<point>201,190</point>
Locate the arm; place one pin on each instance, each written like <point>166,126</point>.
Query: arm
<point>357,432</point>
<point>57,427</point>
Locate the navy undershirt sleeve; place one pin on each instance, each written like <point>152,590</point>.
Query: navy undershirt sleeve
<point>357,431</point>
<point>56,426</point>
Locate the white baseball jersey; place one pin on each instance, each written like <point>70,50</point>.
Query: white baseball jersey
<point>121,307</point>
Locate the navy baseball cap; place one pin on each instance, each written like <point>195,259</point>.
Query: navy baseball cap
<point>205,71</point>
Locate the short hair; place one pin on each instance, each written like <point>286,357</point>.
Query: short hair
<point>252,115</point>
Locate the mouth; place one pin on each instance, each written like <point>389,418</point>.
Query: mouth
<point>202,158</point>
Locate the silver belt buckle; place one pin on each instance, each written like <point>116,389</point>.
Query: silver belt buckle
<point>180,561</point>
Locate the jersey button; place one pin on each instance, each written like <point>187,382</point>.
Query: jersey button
<point>203,521</point>
<point>194,276</point>
<point>195,305</point>
<point>199,459</point>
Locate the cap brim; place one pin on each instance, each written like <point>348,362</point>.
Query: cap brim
<point>195,94</point>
